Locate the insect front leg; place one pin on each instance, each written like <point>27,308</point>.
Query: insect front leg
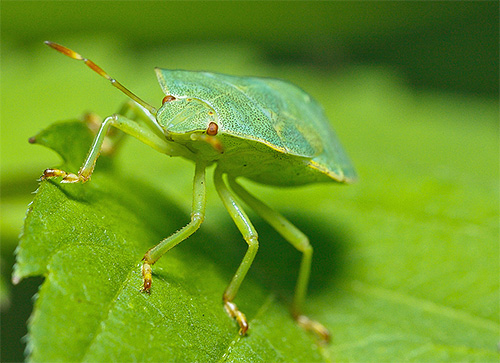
<point>197,216</point>
<point>147,133</point>
<point>246,228</point>
<point>300,241</point>
<point>88,166</point>
<point>114,136</point>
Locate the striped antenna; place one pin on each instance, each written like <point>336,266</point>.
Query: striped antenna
<point>72,54</point>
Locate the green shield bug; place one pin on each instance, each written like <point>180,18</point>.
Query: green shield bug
<point>266,130</point>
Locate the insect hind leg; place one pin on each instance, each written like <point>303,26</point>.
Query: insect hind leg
<point>300,241</point>
<point>246,228</point>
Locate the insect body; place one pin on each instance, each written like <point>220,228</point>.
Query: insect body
<point>266,130</point>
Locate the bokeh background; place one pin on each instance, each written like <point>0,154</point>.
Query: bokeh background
<point>410,87</point>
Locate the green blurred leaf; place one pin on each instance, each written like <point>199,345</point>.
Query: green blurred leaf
<point>4,293</point>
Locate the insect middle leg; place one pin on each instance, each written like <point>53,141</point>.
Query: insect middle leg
<point>300,241</point>
<point>246,228</point>
<point>197,216</point>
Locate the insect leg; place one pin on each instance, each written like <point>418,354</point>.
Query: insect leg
<point>129,126</point>
<point>114,136</point>
<point>197,216</point>
<point>246,228</point>
<point>300,241</point>
<point>138,112</point>
<point>131,110</point>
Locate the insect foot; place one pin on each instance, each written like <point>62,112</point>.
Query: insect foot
<point>314,326</point>
<point>234,313</point>
<point>146,277</point>
<point>67,177</point>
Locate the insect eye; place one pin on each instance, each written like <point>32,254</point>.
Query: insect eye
<point>167,99</point>
<point>212,129</point>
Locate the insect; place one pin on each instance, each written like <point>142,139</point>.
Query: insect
<point>266,130</point>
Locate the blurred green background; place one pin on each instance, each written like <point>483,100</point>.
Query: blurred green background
<point>410,87</point>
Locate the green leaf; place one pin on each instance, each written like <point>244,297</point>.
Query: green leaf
<point>4,293</point>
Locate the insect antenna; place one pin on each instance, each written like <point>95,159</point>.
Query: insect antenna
<point>72,54</point>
